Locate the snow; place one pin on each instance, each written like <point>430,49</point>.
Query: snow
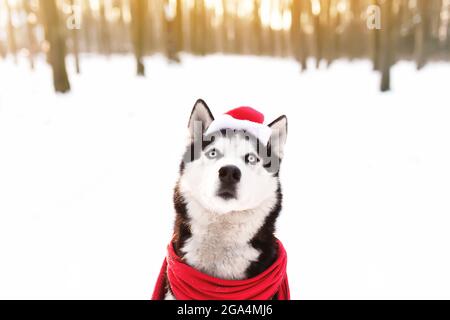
<point>86,178</point>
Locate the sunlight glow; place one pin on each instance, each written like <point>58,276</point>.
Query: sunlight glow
<point>276,22</point>
<point>287,20</point>
<point>245,8</point>
<point>315,7</point>
<point>170,9</point>
<point>94,4</point>
<point>126,14</point>
<point>211,4</point>
<point>13,3</point>
<point>342,6</point>
<point>264,12</point>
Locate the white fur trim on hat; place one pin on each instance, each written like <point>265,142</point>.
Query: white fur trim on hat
<point>225,121</point>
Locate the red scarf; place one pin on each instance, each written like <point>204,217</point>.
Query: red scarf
<point>188,283</point>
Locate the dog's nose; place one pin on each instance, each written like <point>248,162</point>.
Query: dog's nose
<point>230,174</point>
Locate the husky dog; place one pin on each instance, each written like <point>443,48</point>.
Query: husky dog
<point>227,199</point>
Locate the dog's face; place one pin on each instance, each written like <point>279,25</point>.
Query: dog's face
<point>230,170</point>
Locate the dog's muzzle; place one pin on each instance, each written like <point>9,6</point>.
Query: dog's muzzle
<point>229,177</point>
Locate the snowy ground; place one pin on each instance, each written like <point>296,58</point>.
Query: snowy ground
<point>86,178</point>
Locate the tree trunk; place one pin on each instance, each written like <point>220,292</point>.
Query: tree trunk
<point>376,46</point>
<point>88,26</point>
<point>303,41</point>
<point>104,30</point>
<point>2,50</point>
<point>386,42</point>
<point>199,28</point>
<point>138,13</point>
<point>421,33</point>
<point>333,37</point>
<point>75,42</point>
<point>318,35</point>
<point>12,44</point>
<point>57,51</point>
<point>173,39</point>
<point>257,28</point>
<point>30,32</point>
<point>295,29</point>
<point>224,28</point>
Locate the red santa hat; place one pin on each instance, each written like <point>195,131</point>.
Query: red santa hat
<point>242,118</point>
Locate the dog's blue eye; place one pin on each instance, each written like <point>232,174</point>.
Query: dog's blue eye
<point>213,154</point>
<point>250,158</point>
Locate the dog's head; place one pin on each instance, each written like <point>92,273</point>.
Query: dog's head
<point>230,170</point>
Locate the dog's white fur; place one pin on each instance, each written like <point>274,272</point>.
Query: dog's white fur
<point>219,245</point>
<point>200,180</point>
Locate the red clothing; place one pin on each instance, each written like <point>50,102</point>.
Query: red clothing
<point>188,283</point>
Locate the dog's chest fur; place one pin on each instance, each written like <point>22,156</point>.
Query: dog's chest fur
<point>236,245</point>
<point>220,244</point>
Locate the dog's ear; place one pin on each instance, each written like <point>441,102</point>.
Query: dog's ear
<point>279,134</point>
<point>201,118</point>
